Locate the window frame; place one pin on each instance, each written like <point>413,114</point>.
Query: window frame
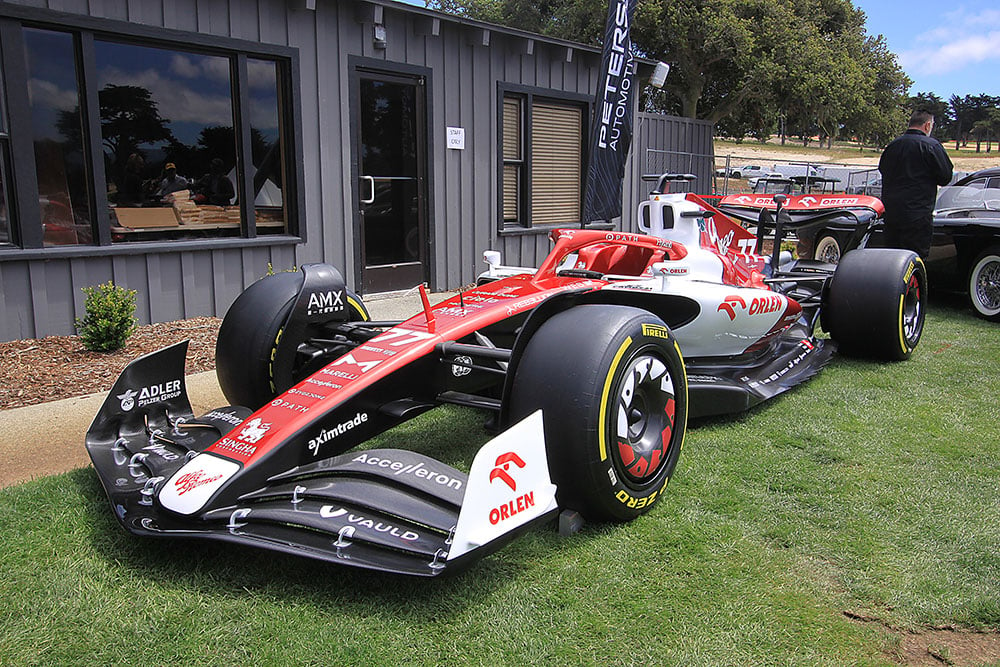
<point>529,95</point>
<point>27,241</point>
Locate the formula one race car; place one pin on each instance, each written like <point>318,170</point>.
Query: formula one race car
<point>589,367</point>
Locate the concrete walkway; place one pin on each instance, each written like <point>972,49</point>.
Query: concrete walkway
<point>48,438</point>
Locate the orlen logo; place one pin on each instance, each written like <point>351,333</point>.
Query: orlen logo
<point>729,305</point>
<point>502,466</point>
<point>192,480</point>
<point>519,504</point>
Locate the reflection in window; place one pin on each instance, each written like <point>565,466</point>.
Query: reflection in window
<point>266,146</point>
<point>4,173</point>
<point>60,163</point>
<point>4,206</point>
<point>169,143</point>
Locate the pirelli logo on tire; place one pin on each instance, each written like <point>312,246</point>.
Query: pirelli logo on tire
<point>655,331</point>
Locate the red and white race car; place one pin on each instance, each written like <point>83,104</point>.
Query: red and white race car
<point>589,368</point>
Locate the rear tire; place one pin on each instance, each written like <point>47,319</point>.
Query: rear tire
<point>876,303</point>
<point>984,285</point>
<point>611,384</point>
<point>251,334</point>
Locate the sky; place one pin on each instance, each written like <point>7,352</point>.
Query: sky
<point>947,48</point>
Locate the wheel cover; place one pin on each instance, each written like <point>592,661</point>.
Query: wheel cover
<point>643,422</point>
<point>912,311</point>
<point>828,250</point>
<point>986,286</point>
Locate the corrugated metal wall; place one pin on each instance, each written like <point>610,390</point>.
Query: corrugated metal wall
<point>41,296</point>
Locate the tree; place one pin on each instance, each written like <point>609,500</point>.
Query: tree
<point>943,120</point>
<point>742,64</point>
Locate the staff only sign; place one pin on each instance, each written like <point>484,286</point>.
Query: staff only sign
<point>612,127</point>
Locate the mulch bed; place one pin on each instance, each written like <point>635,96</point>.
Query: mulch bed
<point>39,370</point>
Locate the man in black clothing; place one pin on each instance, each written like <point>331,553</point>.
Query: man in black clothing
<point>912,167</point>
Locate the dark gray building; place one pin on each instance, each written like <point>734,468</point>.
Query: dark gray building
<point>391,141</point>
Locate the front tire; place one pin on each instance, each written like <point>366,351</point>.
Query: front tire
<point>984,285</point>
<point>611,384</point>
<point>251,334</point>
<point>876,303</point>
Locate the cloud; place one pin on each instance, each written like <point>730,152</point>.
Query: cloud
<point>176,100</point>
<point>47,93</point>
<point>953,54</point>
<point>960,38</point>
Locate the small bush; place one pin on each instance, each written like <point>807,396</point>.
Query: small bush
<point>109,319</point>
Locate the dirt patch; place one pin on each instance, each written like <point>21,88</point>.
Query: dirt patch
<point>39,370</point>
<point>969,160</point>
<point>946,645</point>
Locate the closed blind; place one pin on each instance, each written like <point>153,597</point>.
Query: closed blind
<point>556,163</point>
<point>512,159</point>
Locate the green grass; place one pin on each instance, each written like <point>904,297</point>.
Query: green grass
<point>873,489</point>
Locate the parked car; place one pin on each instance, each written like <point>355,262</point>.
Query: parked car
<point>872,187</point>
<point>965,251</point>
<point>753,181</point>
<point>588,368</point>
<point>745,171</point>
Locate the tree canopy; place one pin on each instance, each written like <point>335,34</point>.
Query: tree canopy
<point>753,67</point>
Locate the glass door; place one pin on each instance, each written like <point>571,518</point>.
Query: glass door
<point>391,183</point>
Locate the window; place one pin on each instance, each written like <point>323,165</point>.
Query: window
<point>542,154</point>
<point>57,130</point>
<point>268,149</point>
<point>5,205</point>
<point>146,141</point>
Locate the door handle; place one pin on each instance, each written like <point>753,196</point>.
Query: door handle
<point>370,199</point>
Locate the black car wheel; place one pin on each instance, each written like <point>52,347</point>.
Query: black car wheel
<point>611,384</point>
<point>876,303</point>
<point>984,285</point>
<point>252,333</point>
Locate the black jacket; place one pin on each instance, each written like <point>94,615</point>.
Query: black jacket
<point>912,167</point>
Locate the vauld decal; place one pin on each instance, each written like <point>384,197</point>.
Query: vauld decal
<point>361,521</point>
<point>503,465</point>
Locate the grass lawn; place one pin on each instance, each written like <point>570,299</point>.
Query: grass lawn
<point>872,493</point>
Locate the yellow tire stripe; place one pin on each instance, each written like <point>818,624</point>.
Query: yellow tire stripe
<point>602,422</point>
<point>358,307</point>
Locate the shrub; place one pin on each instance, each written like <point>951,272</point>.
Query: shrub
<point>109,317</point>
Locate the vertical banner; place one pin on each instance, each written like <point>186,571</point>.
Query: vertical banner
<point>611,130</point>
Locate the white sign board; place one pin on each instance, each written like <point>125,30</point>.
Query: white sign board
<point>456,138</point>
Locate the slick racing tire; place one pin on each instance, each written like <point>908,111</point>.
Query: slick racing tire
<point>611,384</point>
<point>984,285</point>
<point>828,249</point>
<point>876,303</point>
<point>251,334</point>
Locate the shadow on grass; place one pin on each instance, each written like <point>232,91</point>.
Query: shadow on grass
<point>208,566</point>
